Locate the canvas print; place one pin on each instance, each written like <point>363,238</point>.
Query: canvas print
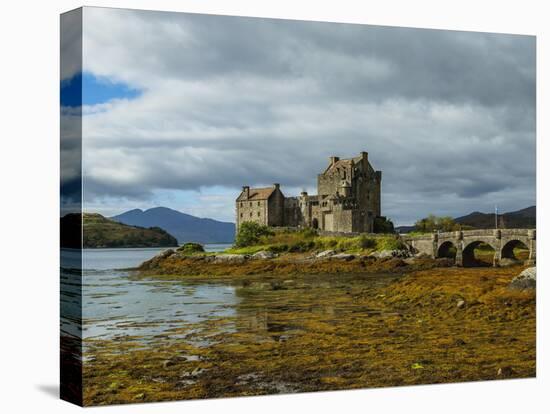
<point>257,206</point>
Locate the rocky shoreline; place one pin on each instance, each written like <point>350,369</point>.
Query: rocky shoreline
<point>172,262</point>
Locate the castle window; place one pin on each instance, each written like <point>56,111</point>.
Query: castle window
<point>251,204</point>
<point>258,214</point>
<point>251,214</point>
<point>241,215</point>
<point>258,204</point>
<point>242,204</point>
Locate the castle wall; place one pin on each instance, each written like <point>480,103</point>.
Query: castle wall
<point>292,213</point>
<point>348,200</point>
<point>256,211</point>
<point>276,209</point>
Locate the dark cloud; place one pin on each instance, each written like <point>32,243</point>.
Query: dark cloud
<point>448,116</point>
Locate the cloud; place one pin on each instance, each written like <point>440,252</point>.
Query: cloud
<point>449,117</point>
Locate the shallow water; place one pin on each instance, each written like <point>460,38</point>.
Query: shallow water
<point>115,305</point>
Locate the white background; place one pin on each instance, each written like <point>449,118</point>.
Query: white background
<point>29,163</point>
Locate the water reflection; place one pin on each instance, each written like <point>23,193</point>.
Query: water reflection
<point>115,305</point>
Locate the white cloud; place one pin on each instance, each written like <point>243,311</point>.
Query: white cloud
<point>233,101</point>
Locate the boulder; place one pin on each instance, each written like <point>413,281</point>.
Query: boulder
<point>326,253</point>
<point>384,254</point>
<point>230,258</point>
<point>165,254</point>
<point>155,261</point>
<point>263,255</point>
<point>525,280</point>
<point>343,256</point>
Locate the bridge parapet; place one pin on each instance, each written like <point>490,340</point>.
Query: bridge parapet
<point>501,240</point>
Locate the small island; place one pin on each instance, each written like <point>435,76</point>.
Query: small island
<point>101,232</point>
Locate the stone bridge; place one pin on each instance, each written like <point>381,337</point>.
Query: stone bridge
<point>502,241</point>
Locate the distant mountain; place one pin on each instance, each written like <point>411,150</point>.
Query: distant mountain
<point>183,226</point>
<point>521,219</point>
<point>525,218</point>
<point>404,229</point>
<point>98,231</point>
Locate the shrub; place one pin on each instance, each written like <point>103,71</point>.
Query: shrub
<point>347,244</point>
<point>301,246</point>
<point>383,225</point>
<point>367,242</point>
<point>390,243</point>
<point>278,248</point>
<point>190,248</point>
<point>308,233</point>
<point>250,233</point>
<point>326,243</point>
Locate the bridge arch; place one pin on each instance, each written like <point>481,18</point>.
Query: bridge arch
<point>478,253</point>
<point>503,243</point>
<point>447,249</point>
<point>516,250</point>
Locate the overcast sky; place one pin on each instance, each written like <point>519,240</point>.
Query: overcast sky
<point>181,110</point>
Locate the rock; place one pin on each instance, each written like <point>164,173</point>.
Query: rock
<point>460,304</point>
<point>165,254</point>
<point>505,371</point>
<point>343,256</point>
<point>505,262</point>
<point>403,254</point>
<point>326,253</point>
<point>230,258</point>
<point>384,254</point>
<point>525,280</point>
<point>263,255</point>
<point>169,362</point>
<point>154,261</point>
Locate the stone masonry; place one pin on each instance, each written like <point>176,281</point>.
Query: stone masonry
<point>347,200</point>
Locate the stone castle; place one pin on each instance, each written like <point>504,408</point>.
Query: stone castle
<point>347,200</point>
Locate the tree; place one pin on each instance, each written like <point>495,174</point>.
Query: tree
<point>434,223</point>
<point>383,225</point>
<point>250,232</point>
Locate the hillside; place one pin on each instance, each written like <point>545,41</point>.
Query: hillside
<point>184,227</point>
<point>525,218</point>
<point>521,219</point>
<point>99,231</point>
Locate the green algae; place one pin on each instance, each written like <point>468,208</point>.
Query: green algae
<point>328,332</point>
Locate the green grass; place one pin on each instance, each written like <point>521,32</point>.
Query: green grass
<point>307,241</point>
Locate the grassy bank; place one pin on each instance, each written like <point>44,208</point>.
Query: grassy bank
<point>308,240</point>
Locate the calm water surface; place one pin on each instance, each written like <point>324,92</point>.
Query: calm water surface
<point>114,305</point>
